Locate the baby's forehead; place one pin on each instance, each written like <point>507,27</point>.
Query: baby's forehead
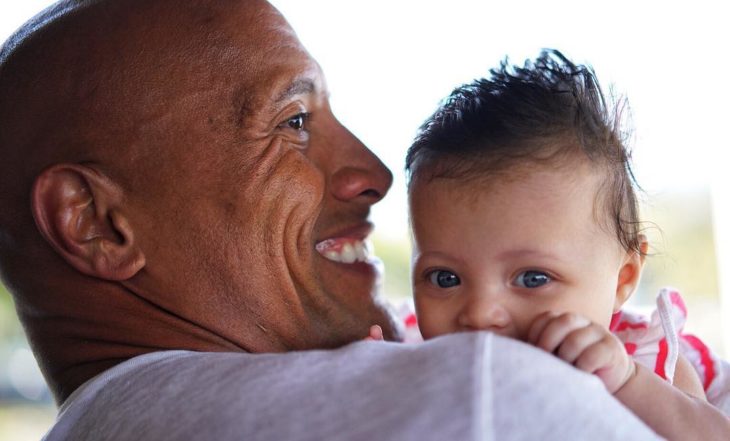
<point>474,178</point>
<point>484,160</point>
<point>552,183</point>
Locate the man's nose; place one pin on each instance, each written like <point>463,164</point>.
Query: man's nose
<point>484,311</point>
<point>360,175</point>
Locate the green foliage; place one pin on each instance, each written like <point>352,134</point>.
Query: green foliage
<point>682,249</point>
<point>10,328</point>
<point>396,257</point>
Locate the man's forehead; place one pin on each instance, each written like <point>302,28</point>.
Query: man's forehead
<point>268,59</point>
<point>122,63</point>
<point>141,32</point>
<point>161,38</point>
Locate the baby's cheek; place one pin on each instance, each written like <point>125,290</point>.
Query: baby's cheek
<point>522,323</point>
<point>434,322</point>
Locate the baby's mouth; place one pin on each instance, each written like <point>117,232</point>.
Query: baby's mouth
<point>345,250</point>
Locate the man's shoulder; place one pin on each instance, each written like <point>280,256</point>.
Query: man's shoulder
<point>361,391</point>
<point>464,386</point>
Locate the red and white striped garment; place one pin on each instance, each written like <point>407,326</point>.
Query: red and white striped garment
<point>407,314</point>
<point>657,341</point>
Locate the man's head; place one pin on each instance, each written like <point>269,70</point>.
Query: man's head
<point>190,184</point>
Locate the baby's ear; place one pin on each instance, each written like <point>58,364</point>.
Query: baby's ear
<point>630,273</point>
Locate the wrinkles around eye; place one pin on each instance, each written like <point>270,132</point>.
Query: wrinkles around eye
<point>297,126</point>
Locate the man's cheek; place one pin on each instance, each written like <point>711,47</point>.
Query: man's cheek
<point>304,184</point>
<point>291,176</point>
<point>289,207</point>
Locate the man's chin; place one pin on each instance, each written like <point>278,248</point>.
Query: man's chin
<point>357,288</point>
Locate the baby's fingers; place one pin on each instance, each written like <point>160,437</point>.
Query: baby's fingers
<point>578,341</point>
<point>549,331</point>
<point>538,325</point>
<point>595,358</point>
<point>608,360</point>
<point>376,333</point>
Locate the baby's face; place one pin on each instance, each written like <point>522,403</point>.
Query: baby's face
<point>493,256</point>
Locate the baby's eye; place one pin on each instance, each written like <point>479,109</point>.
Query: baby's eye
<point>532,279</point>
<point>444,279</point>
<point>297,122</point>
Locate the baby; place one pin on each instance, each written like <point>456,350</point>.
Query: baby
<point>525,223</point>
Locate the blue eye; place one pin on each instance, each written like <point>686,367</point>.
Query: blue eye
<point>444,279</point>
<point>532,279</point>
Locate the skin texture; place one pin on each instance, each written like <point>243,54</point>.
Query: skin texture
<point>171,168</point>
<point>476,243</point>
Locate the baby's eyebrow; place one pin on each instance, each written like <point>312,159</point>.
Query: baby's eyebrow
<point>527,252</point>
<point>430,256</point>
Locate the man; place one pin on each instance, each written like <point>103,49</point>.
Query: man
<point>178,196</point>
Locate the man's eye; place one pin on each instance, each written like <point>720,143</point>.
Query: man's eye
<point>444,279</point>
<point>297,121</point>
<point>532,279</point>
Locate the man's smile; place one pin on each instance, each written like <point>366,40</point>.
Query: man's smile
<point>349,245</point>
<point>345,249</point>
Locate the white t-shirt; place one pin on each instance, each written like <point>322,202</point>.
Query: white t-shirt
<point>474,386</point>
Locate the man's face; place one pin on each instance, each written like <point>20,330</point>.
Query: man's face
<point>250,199</point>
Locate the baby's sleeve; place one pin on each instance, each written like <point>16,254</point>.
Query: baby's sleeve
<point>407,315</point>
<point>654,341</point>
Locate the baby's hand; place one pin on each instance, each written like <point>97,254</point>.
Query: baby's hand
<point>584,344</point>
<point>376,333</point>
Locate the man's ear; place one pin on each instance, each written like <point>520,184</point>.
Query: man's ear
<point>77,210</point>
<point>630,273</point>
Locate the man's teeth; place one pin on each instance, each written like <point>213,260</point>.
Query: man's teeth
<point>350,252</point>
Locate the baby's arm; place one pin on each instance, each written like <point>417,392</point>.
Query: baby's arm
<point>671,412</point>
<point>687,380</point>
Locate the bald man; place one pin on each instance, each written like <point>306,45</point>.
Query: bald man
<point>179,206</point>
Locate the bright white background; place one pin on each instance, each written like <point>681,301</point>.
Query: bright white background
<point>389,62</point>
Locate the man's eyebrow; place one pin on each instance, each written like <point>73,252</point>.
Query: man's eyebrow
<point>298,87</point>
<point>243,104</point>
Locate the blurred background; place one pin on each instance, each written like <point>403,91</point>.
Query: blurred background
<point>389,63</point>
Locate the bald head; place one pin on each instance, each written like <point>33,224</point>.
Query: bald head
<point>84,80</point>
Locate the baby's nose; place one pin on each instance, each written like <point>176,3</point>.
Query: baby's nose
<point>484,312</point>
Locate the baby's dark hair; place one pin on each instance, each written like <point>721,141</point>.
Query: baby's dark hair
<point>548,111</point>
